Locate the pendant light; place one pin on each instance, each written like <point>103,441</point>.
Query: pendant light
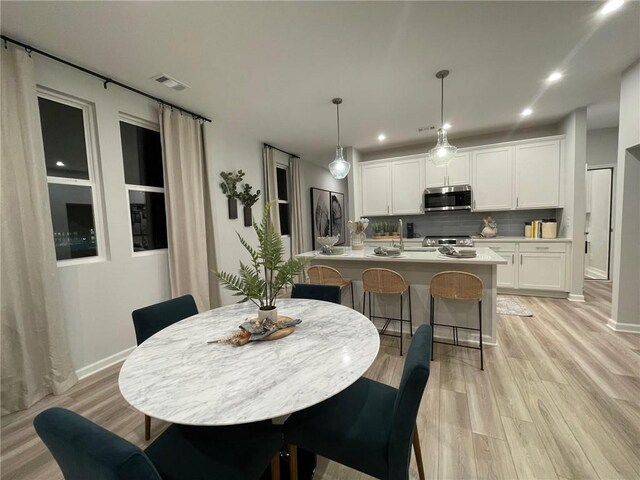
<point>442,154</point>
<point>339,168</point>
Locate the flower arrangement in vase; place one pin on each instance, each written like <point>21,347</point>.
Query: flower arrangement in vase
<point>490,227</point>
<point>248,200</point>
<point>356,229</point>
<point>267,274</point>
<point>230,181</point>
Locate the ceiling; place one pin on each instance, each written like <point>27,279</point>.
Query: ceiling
<point>270,69</point>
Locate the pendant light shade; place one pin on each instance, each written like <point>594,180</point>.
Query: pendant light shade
<point>339,168</point>
<point>442,154</point>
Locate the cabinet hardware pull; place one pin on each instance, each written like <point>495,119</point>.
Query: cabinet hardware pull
<point>542,248</point>
<point>474,204</point>
<point>517,201</point>
<point>520,259</point>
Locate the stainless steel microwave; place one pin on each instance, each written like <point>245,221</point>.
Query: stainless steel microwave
<point>440,199</point>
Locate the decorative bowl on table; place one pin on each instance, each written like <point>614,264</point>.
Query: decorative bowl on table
<point>327,243</point>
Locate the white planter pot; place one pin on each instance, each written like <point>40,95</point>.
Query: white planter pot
<point>268,314</point>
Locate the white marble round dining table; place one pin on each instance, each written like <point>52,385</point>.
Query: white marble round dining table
<point>177,376</point>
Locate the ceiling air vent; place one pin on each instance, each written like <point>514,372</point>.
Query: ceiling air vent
<point>170,82</point>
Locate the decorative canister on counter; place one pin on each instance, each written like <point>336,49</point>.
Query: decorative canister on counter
<point>527,229</point>
<point>549,228</point>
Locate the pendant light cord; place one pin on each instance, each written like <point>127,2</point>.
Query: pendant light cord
<point>441,102</point>
<point>338,121</point>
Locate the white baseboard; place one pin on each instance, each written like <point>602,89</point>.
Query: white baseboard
<point>572,297</point>
<point>623,327</point>
<point>104,363</point>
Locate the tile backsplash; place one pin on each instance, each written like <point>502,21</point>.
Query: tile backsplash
<point>510,223</point>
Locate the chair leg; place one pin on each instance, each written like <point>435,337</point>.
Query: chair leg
<point>353,302</point>
<point>293,462</point>
<point>147,427</point>
<point>410,316</point>
<point>480,321</point>
<point>431,314</point>
<point>418,452</point>
<point>401,322</point>
<point>275,467</point>
<point>364,303</point>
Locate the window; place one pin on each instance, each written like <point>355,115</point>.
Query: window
<point>71,174</point>
<point>142,157</point>
<point>282,180</point>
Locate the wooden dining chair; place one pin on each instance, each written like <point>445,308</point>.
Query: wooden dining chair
<point>369,426</point>
<point>456,285</point>
<point>150,320</point>
<point>84,450</point>
<point>323,275</point>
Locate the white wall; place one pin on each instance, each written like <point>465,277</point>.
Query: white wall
<point>573,215</point>
<point>625,311</point>
<point>462,142</point>
<point>316,176</point>
<point>598,221</point>
<point>99,297</point>
<point>602,146</point>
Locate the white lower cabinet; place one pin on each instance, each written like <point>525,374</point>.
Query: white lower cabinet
<point>542,271</point>
<point>507,273</point>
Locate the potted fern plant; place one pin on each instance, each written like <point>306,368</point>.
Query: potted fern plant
<point>267,274</point>
<point>248,200</point>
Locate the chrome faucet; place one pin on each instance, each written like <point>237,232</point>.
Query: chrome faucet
<point>400,229</point>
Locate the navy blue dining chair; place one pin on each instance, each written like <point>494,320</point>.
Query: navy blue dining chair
<point>326,293</point>
<point>84,450</point>
<point>150,320</point>
<point>369,426</point>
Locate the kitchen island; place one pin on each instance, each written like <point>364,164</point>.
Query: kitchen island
<point>417,268</point>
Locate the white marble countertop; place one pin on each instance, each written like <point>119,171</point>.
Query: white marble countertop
<point>177,377</point>
<point>484,256</point>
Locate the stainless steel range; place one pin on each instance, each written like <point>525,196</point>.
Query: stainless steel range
<point>459,240</point>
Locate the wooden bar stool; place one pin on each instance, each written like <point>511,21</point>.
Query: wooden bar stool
<point>456,286</point>
<point>323,275</point>
<point>386,282</point>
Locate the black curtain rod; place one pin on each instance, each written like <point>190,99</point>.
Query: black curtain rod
<point>106,80</point>
<point>283,151</point>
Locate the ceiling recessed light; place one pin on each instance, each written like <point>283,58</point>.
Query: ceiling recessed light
<point>382,137</point>
<point>526,112</point>
<point>446,126</point>
<point>611,6</point>
<point>554,77</point>
<point>59,164</point>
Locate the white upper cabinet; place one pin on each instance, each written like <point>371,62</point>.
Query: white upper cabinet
<point>375,185</point>
<point>456,173</point>
<point>537,175</point>
<point>458,170</point>
<point>491,179</point>
<point>407,186</point>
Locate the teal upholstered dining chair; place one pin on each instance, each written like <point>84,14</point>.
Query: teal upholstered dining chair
<point>150,320</point>
<point>85,450</point>
<point>369,426</point>
<point>326,293</point>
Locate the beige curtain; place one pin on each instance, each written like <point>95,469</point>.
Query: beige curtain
<point>189,228</point>
<point>35,352</point>
<point>295,203</point>
<point>271,185</point>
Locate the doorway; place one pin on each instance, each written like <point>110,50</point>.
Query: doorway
<point>599,190</point>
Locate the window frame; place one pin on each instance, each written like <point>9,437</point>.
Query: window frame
<point>93,168</point>
<point>285,167</point>
<point>140,122</point>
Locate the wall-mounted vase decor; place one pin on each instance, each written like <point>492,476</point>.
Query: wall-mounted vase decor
<point>248,200</point>
<point>229,186</point>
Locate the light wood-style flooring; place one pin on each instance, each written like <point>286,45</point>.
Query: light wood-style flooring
<point>559,399</point>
